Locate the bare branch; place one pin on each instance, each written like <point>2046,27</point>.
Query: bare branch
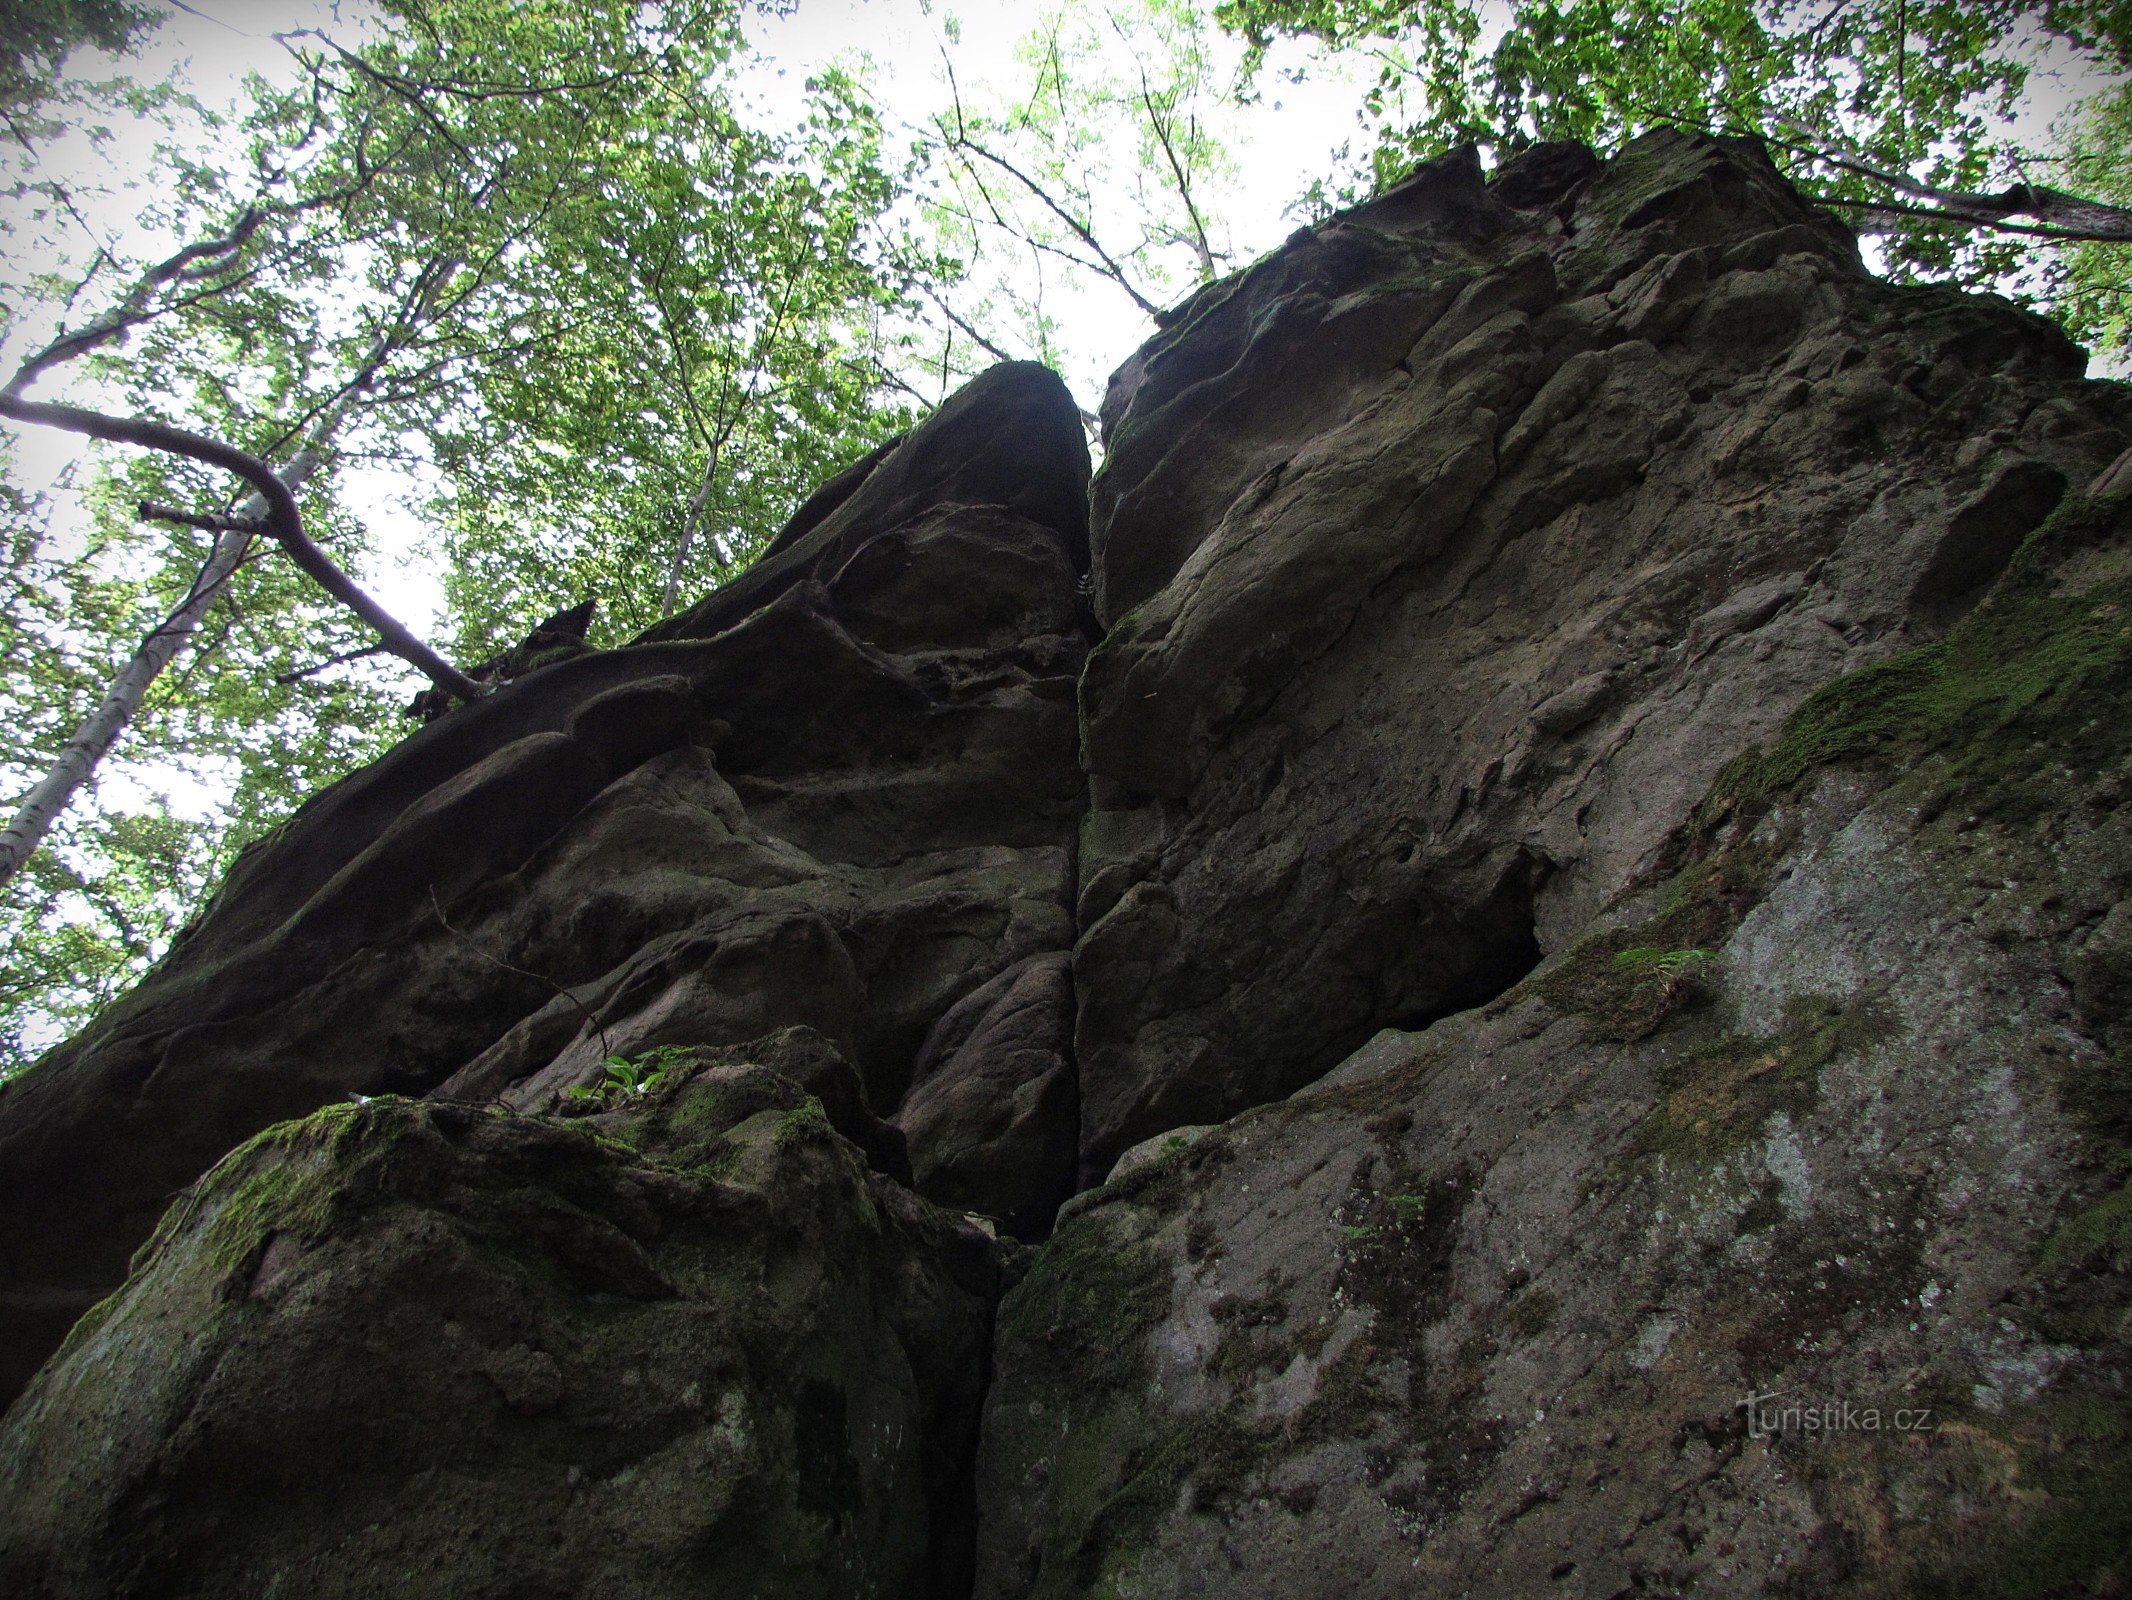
<point>213,522</point>
<point>330,662</point>
<point>132,308</point>
<point>959,141</point>
<point>969,332</point>
<point>1200,245</point>
<point>284,523</point>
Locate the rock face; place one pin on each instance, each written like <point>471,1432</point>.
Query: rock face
<point>819,798</point>
<point>1562,571</point>
<point>1450,553</point>
<point>1580,966</point>
<point>687,1346</point>
<point>991,1112</point>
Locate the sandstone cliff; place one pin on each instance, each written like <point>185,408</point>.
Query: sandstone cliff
<point>1563,868</point>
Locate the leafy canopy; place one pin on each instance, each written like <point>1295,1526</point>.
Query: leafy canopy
<point>527,255</point>
<point>1927,88</point>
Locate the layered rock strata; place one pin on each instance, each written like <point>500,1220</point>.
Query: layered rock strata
<point>841,793</point>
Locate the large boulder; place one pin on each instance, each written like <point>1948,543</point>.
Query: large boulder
<point>820,798</point>
<point>687,1344</point>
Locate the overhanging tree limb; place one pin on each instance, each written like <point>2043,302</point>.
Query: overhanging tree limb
<point>283,522</point>
<point>121,701</point>
<point>2058,215</point>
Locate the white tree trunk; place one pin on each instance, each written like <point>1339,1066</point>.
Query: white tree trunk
<point>78,759</point>
<point>691,522</point>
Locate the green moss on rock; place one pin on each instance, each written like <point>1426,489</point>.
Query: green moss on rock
<point>635,1381</point>
<point>1623,1000</point>
<point>2103,1230</point>
<point>1716,1098</point>
<point>1090,1299</point>
<point>802,1123</point>
<point>2034,683</point>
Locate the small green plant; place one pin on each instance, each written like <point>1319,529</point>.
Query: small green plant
<point>1674,971</point>
<point>1667,964</point>
<point>1357,1230</point>
<point>629,1076</point>
<point>805,1121</point>
<point>1411,1207</point>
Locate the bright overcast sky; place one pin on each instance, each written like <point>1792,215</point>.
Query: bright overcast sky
<point>1292,135</point>
<point>895,46</point>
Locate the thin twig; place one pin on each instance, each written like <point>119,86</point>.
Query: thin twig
<point>342,659</point>
<point>606,1048</point>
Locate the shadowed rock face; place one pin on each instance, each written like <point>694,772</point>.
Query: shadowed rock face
<point>426,1349</point>
<point>821,797</point>
<point>991,1112</point>
<point>1583,879</point>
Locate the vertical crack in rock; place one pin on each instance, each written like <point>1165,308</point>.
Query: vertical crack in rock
<point>1670,682</point>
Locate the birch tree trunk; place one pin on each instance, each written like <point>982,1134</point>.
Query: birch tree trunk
<point>691,524</point>
<point>79,757</point>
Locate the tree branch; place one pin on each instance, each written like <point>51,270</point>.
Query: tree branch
<point>316,668</point>
<point>283,521</point>
<point>1199,242</point>
<point>2059,215</point>
<point>960,140</point>
<point>131,309</point>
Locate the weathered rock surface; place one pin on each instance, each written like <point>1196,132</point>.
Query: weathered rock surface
<point>1593,891</point>
<point>685,1346</point>
<point>820,798</point>
<point>1478,1312</point>
<point>991,1113</point>
<point>1583,590</point>
<point>1450,552</point>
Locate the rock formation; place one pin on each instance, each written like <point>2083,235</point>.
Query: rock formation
<point>1562,907</point>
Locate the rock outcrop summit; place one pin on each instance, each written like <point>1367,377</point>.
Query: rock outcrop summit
<point>1498,964</point>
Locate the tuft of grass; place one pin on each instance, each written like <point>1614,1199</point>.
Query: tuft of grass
<point>803,1122</point>
<point>1628,981</point>
<point>1531,1314</point>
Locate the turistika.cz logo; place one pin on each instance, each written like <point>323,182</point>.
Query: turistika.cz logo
<point>1771,1414</point>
